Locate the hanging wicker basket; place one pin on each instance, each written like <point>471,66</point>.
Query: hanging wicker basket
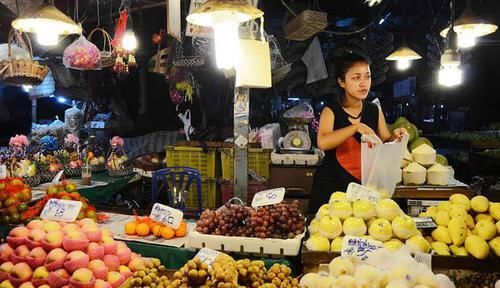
<point>107,56</point>
<point>21,71</point>
<point>123,171</point>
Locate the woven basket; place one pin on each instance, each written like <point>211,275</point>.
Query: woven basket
<point>32,180</point>
<point>125,171</point>
<point>99,167</point>
<point>107,57</point>
<point>47,176</point>
<point>21,71</point>
<point>72,172</point>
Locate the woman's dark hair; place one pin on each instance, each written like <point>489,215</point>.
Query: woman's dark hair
<point>346,60</point>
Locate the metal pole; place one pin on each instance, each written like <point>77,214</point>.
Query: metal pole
<point>240,150</point>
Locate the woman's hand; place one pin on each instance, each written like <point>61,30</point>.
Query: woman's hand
<point>398,134</point>
<point>363,129</point>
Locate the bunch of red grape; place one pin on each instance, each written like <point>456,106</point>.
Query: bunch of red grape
<point>283,220</point>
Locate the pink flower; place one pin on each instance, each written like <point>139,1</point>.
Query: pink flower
<point>71,138</point>
<point>117,141</point>
<point>19,141</point>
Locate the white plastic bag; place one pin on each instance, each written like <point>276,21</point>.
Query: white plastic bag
<point>380,164</point>
<point>82,55</point>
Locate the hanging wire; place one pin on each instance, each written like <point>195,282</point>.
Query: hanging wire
<point>76,12</point>
<point>17,8</point>
<point>98,14</point>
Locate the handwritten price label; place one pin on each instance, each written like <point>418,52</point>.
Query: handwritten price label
<point>360,192</point>
<point>268,197</point>
<point>61,210</point>
<point>166,215</point>
<point>207,255</point>
<point>3,171</point>
<point>359,248</point>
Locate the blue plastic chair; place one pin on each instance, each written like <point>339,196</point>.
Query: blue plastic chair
<point>176,181</point>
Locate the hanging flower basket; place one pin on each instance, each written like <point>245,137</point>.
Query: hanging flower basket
<point>107,56</point>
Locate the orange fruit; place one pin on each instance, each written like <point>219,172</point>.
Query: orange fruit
<point>130,228</point>
<point>167,232</point>
<point>156,230</point>
<point>142,229</point>
<point>181,231</point>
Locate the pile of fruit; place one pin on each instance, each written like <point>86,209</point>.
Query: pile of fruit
<point>49,166</point>
<point>55,254</point>
<point>382,269</point>
<point>384,222</point>
<point>471,136</point>
<point>149,276</point>
<point>14,195</point>
<point>226,272</point>
<point>66,191</point>
<point>281,221</point>
<point>145,226</point>
<point>465,226</point>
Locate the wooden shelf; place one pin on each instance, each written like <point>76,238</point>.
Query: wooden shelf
<point>311,260</point>
<point>430,192</point>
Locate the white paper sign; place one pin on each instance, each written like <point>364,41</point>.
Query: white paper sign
<point>61,210</point>
<point>268,197</point>
<point>359,248</point>
<point>207,255</point>
<point>58,176</point>
<point>166,215</point>
<point>360,192</point>
<point>424,258</point>
<point>424,222</point>
<point>3,171</point>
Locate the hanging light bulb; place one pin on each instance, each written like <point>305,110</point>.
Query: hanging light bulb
<point>47,22</point>
<point>225,16</point>
<point>450,73</point>
<point>129,41</point>
<point>469,27</point>
<point>403,64</point>
<point>450,76</point>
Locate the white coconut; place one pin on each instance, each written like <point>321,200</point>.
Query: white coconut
<point>414,174</point>
<point>438,175</point>
<point>407,158</point>
<point>424,155</point>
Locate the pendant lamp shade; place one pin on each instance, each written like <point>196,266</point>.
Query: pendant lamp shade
<point>213,12</point>
<point>46,18</point>
<point>471,23</point>
<point>403,53</point>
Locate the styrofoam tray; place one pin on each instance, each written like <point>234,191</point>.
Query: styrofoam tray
<point>269,246</point>
<point>294,159</point>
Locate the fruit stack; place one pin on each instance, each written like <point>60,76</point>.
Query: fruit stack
<point>280,221</point>
<point>66,191</point>
<point>118,162</point>
<point>27,170</point>
<point>226,272</point>
<point>144,227</point>
<point>466,226</point>
<point>13,197</point>
<point>55,254</point>
<point>382,269</point>
<point>49,167</point>
<point>384,222</point>
<point>151,275</point>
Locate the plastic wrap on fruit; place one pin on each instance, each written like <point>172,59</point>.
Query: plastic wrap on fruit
<point>82,55</point>
<point>73,117</point>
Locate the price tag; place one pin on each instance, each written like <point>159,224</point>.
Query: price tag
<point>268,197</point>
<point>359,248</point>
<point>207,255</point>
<point>424,222</point>
<point>58,176</point>
<point>360,192</point>
<point>61,210</point>
<point>166,215</point>
<point>424,258</point>
<point>3,171</point>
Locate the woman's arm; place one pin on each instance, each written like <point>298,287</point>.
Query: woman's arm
<point>384,133</point>
<point>328,138</point>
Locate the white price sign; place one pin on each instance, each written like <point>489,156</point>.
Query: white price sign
<point>3,171</point>
<point>207,255</point>
<point>360,192</point>
<point>268,197</point>
<point>359,248</point>
<point>61,210</point>
<point>166,215</point>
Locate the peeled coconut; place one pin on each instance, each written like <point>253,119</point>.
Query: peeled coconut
<point>438,174</point>
<point>441,160</point>
<point>414,174</point>
<point>407,158</point>
<point>399,177</point>
<point>424,155</point>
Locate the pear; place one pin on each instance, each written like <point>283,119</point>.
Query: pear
<point>458,231</point>
<point>380,229</point>
<point>336,245</point>
<point>363,209</point>
<point>344,281</point>
<point>330,227</point>
<point>440,248</point>
<point>485,229</point>
<point>477,246</point>
<point>442,218</point>
<point>341,209</point>
<point>458,250</point>
<point>324,210</point>
<point>387,209</point>
<point>481,217</point>
<point>317,242</point>
<point>495,210</point>
<point>470,221</point>
<point>313,226</point>
<point>457,211</point>
<point>441,234</point>
<point>337,196</point>
<point>460,199</point>
<point>393,244</point>
<point>418,244</point>
<point>341,266</point>
<point>495,245</point>
<point>404,227</point>
<point>354,226</point>
<point>309,280</point>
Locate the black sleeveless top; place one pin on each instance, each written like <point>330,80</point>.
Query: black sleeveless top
<point>341,165</point>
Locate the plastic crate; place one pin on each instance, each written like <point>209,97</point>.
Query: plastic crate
<point>227,189</point>
<point>258,160</point>
<point>193,157</point>
<point>208,195</point>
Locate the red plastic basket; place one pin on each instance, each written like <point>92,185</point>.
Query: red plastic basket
<point>227,189</point>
